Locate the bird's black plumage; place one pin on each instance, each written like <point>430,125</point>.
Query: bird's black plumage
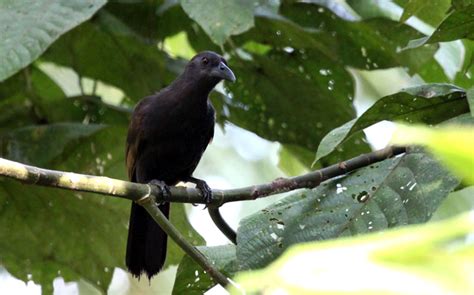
<point>167,136</point>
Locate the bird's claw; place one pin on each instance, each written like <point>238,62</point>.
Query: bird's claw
<point>206,192</point>
<point>164,188</point>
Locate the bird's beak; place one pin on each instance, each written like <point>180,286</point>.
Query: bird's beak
<point>222,71</point>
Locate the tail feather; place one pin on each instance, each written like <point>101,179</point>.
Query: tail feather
<point>146,245</point>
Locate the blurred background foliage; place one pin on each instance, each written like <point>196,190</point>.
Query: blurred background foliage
<point>317,82</point>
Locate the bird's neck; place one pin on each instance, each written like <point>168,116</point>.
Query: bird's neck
<point>192,88</point>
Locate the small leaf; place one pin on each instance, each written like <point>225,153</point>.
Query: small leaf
<point>412,8</point>
<point>191,279</point>
<point>458,25</point>
<point>30,26</point>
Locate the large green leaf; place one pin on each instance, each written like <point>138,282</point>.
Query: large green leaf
<point>413,260</point>
<point>374,43</point>
<point>267,95</point>
<point>191,278</point>
<point>28,27</point>
<point>430,104</point>
<point>394,192</point>
<point>50,228</point>
<point>219,18</point>
<point>134,67</point>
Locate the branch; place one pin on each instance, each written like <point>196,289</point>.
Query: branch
<point>148,195</point>
<point>149,202</point>
<point>134,191</point>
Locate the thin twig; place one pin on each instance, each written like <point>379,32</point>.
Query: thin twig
<point>150,205</point>
<point>134,191</point>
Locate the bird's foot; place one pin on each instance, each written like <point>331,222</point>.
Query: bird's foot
<point>164,188</point>
<point>206,191</point>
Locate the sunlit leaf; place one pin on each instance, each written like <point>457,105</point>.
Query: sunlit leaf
<point>413,260</point>
<point>28,27</point>
<point>430,104</point>
<point>454,145</point>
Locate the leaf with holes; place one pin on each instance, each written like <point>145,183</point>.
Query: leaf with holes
<point>73,224</point>
<point>29,27</point>
<point>190,278</point>
<point>394,192</point>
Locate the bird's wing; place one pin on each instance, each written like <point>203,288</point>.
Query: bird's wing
<point>134,139</point>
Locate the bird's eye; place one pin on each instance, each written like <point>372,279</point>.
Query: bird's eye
<point>205,60</point>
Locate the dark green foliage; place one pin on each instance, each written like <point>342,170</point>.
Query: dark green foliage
<point>295,64</point>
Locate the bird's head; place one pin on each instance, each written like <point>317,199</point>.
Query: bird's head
<point>210,66</point>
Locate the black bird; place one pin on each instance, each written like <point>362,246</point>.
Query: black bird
<point>167,136</point>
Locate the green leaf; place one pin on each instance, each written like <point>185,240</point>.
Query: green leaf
<point>191,279</point>
<point>412,8</point>
<point>394,192</point>
<point>375,43</point>
<point>430,104</point>
<point>50,228</point>
<point>403,261</point>
<point>31,97</point>
<point>457,202</point>
<point>431,14</point>
<point>453,145</point>
<point>136,68</point>
<point>72,224</point>
<point>271,89</point>
<point>180,220</point>
<point>470,100</point>
<point>220,19</point>
<point>29,27</point>
<point>458,25</point>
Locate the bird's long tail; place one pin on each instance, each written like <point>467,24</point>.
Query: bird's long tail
<point>146,245</point>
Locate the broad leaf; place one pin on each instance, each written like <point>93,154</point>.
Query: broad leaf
<point>267,95</point>
<point>407,261</point>
<point>221,19</point>
<point>430,104</point>
<point>375,43</point>
<point>394,192</point>
<point>72,224</point>
<point>136,68</point>
<point>29,27</point>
